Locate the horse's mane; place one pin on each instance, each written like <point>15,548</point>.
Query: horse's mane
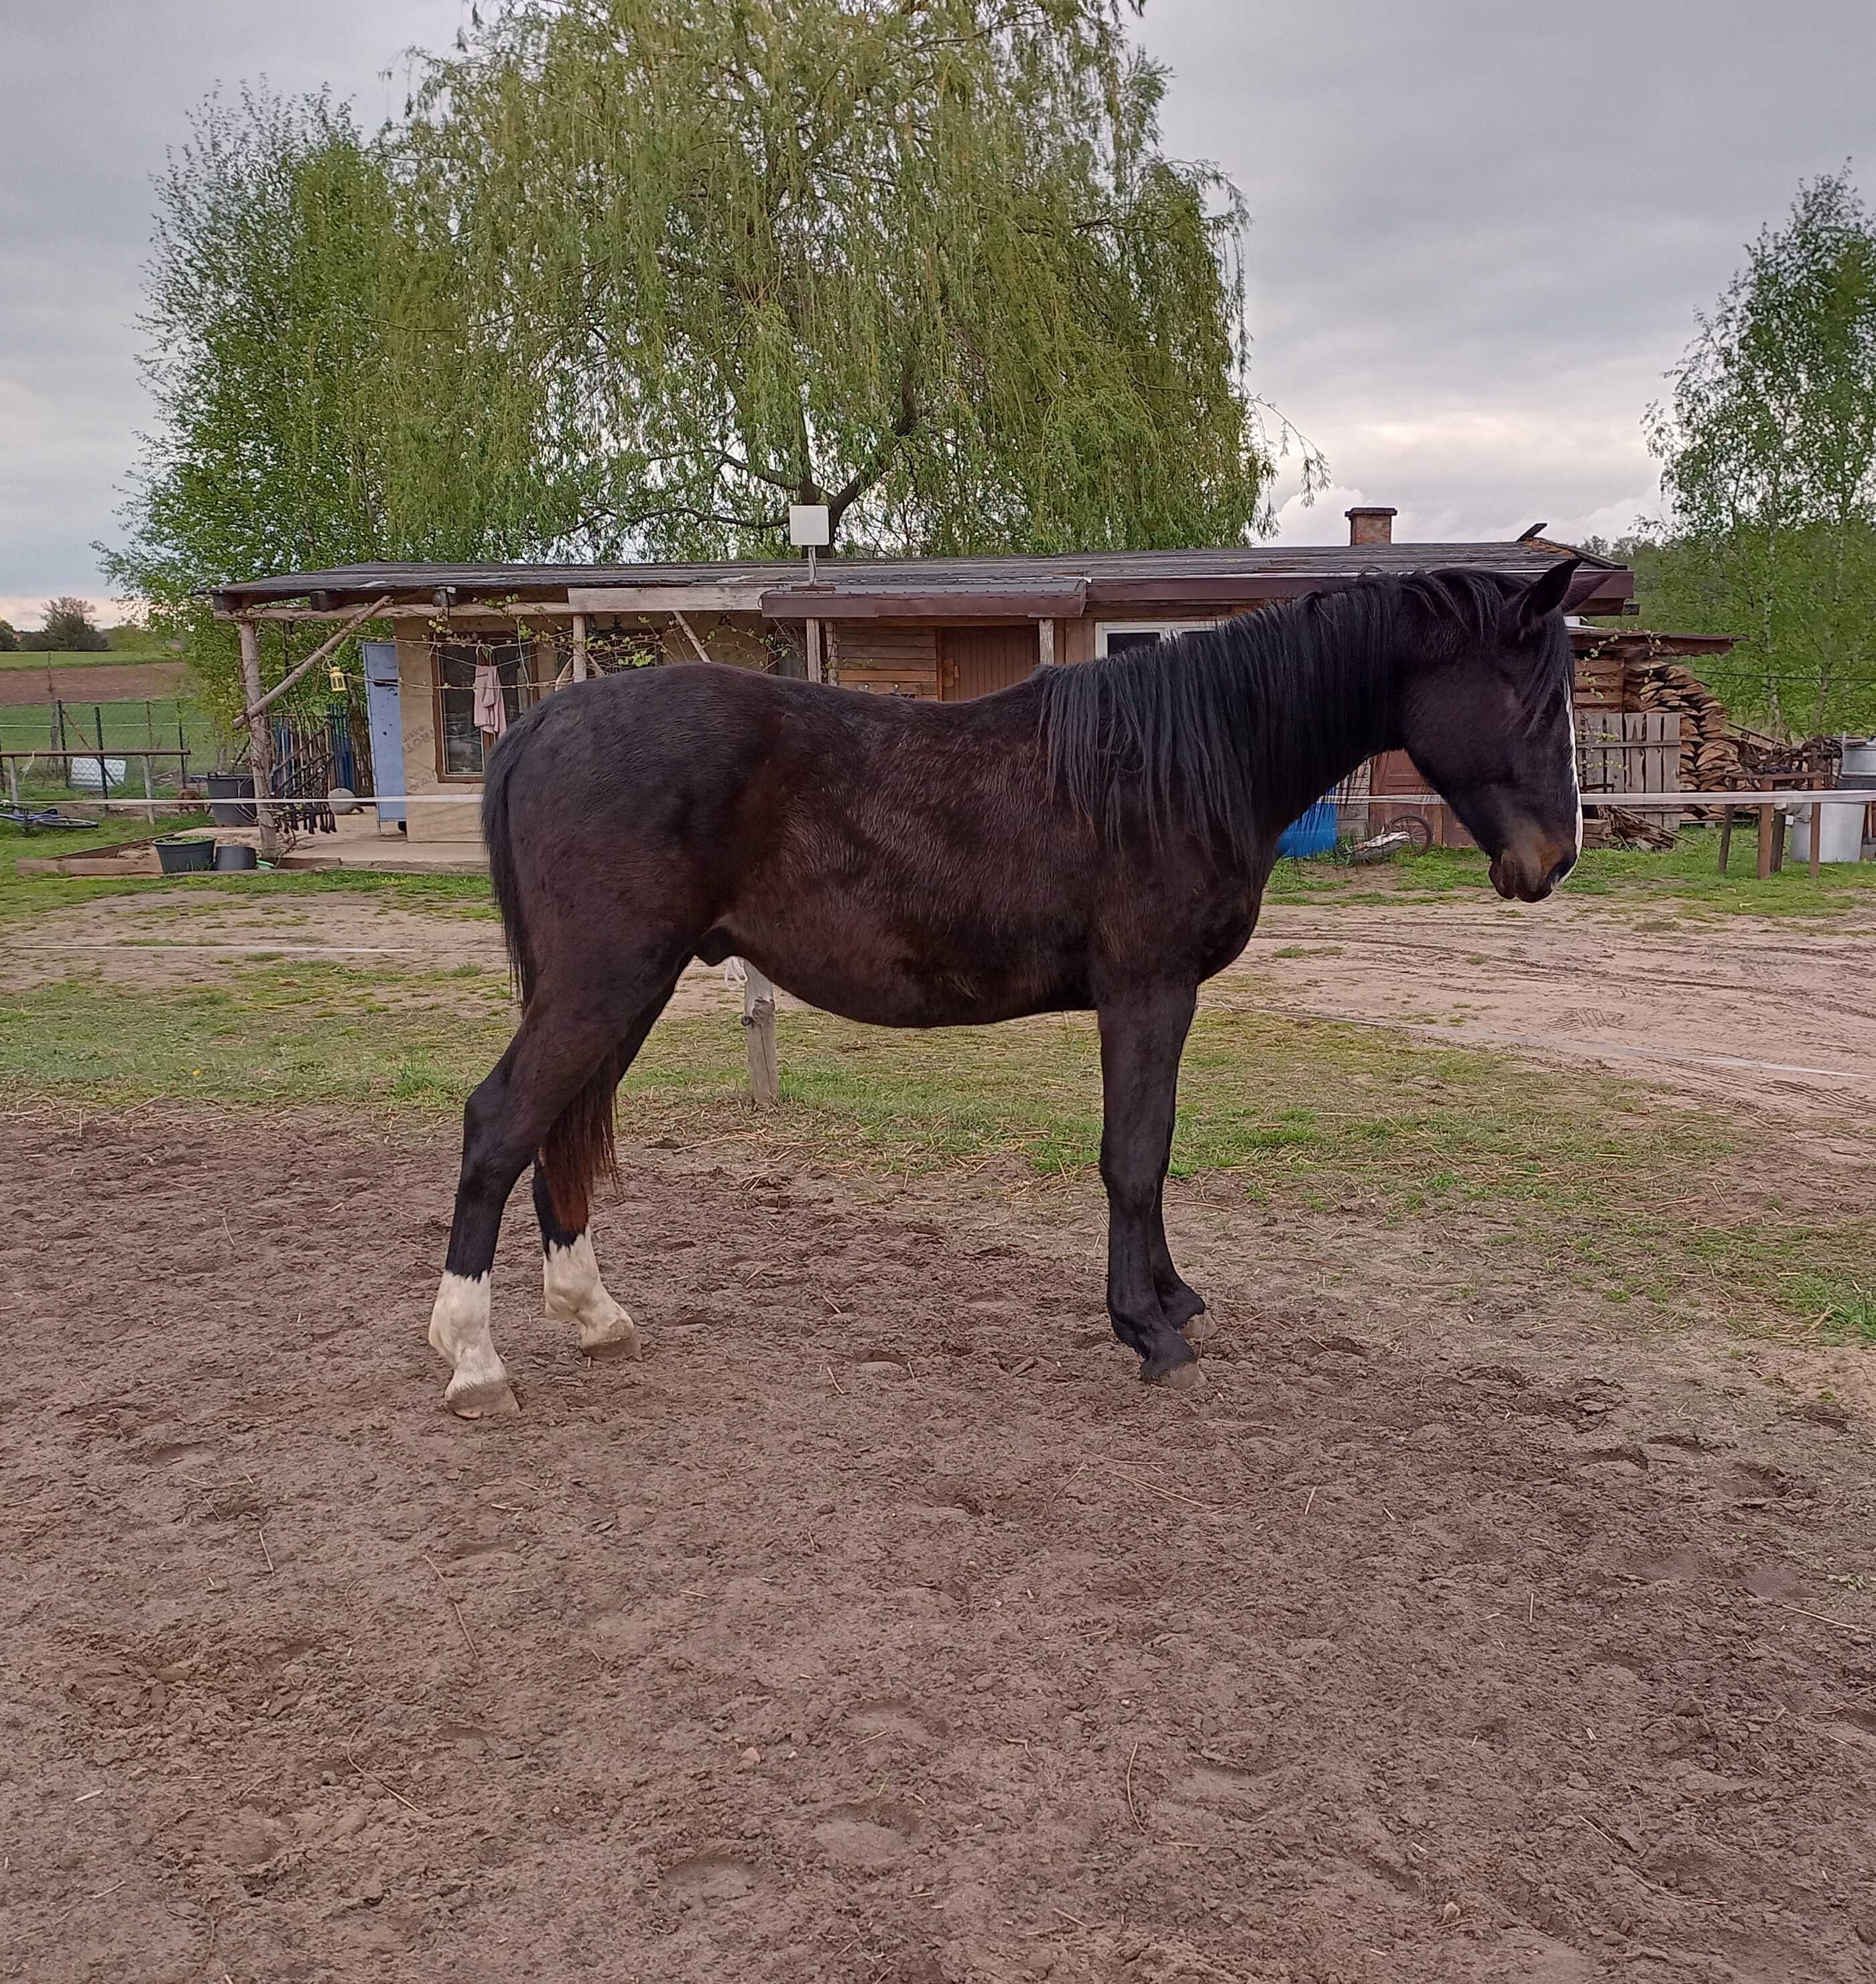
<point>1207,731</point>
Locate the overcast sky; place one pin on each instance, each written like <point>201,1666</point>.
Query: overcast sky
<point>1480,232</point>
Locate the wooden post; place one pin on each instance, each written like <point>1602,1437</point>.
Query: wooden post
<point>759,1020</point>
<point>12,779</point>
<point>260,743</point>
<point>149,793</point>
<point>1765,842</point>
<point>1045,643</point>
<point>1778,841</point>
<point>1817,839</point>
<point>815,671</point>
<point>1726,836</point>
<point>579,647</point>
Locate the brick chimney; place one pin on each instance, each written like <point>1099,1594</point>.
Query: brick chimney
<point>1371,524</point>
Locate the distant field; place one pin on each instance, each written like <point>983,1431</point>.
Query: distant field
<point>62,658</point>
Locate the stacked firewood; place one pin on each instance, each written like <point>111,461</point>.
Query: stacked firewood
<point>1709,742</point>
<point>1616,826</point>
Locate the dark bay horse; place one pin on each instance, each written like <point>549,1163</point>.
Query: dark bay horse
<point>1098,836</point>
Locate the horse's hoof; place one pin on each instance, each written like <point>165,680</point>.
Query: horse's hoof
<point>488,1399</point>
<point>1188,1376</point>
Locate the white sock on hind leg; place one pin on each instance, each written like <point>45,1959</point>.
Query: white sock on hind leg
<point>571,1285</point>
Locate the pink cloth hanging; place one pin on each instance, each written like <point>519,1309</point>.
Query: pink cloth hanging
<point>491,706</point>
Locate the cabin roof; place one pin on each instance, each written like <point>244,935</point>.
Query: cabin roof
<point>1065,584</point>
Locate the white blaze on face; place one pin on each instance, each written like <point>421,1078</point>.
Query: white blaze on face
<point>1569,719</point>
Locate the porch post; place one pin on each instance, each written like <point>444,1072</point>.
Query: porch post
<point>579,647</point>
<point>815,671</point>
<point>1045,643</point>
<point>259,742</point>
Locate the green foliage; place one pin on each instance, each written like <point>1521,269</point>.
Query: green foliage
<point>631,275</point>
<point>266,362</point>
<point>926,264</point>
<point>68,626</point>
<point>9,637</point>
<point>1768,449</point>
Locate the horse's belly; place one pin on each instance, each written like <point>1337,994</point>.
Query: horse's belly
<point>880,986</point>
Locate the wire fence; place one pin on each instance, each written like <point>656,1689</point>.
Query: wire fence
<point>94,738</point>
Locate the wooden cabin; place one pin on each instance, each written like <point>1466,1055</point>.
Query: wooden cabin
<point>945,629</point>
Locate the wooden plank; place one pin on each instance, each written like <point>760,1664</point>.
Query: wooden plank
<point>745,598</point>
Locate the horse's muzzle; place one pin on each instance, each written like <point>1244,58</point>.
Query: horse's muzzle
<point>1528,878</point>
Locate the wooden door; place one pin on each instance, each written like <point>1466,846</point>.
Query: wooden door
<point>976,660</point>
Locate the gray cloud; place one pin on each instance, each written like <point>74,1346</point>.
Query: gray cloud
<point>98,91</point>
<point>1480,232</point>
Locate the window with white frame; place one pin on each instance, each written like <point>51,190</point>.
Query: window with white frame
<point>1120,637</point>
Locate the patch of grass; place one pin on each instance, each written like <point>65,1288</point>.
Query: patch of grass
<point>84,657</point>
<point>1842,1309</point>
<point>1684,880</point>
<point>26,895</point>
<point>1303,1116</point>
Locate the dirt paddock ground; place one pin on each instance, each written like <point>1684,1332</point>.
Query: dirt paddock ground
<point>878,1625</point>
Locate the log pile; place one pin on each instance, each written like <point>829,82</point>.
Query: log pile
<point>1616,826</point>
<point>1710,760</point>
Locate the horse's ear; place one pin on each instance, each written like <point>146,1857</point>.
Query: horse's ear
<point>1541,598</point>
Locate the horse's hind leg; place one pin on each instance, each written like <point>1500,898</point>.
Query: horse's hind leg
<point>570,1288</point>
<point>562,1042</point>
<point>577,1148</point>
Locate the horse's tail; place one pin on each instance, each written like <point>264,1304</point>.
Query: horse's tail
<point>497,837</point>
<point>580,1147</point>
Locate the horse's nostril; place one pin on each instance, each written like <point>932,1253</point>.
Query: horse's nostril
<point>1560,871</point>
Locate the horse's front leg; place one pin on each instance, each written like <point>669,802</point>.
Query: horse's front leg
<point>1182,1303</point>
<point>1142,1034</point>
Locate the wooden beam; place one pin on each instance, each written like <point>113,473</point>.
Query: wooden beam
<point>816,668</point>
<point>745,598</point>
<point>1045,643</point>
<point>826,602</point>
<point>579,647</point>
<point>319,654</point>
<point>260,743</point>
<point>758,1021</point>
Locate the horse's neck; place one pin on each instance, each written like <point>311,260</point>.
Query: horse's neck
<point>1321,720</point>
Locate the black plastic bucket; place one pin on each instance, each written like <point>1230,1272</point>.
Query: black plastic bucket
<point>185,857</point>
<point>231,856</point>
<point>224,786</point>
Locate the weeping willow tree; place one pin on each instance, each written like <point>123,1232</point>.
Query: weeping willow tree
<point>629,276</point>
<point>921,260</point>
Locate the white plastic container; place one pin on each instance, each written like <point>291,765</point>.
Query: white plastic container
<point>1841,837</point>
